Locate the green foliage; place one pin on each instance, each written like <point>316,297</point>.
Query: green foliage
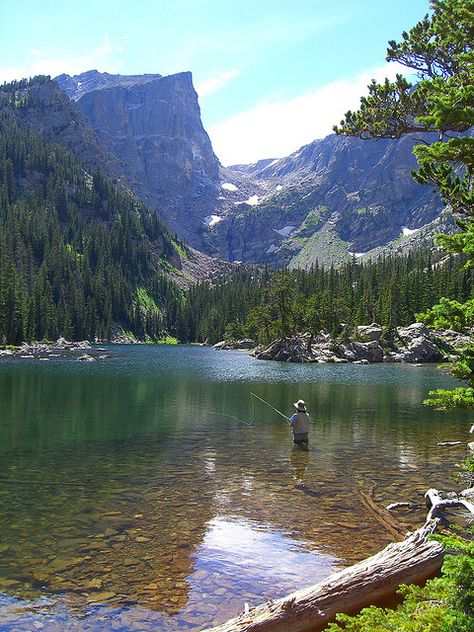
<point>167,340</point>
<point>440,50</point>
<point>447,400</point>
<point>444,604</point>
<point>449,314</point>
<point>421,611</point>
<point>146,302</point>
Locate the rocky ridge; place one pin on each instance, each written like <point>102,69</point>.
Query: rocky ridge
<point>331,200</point>
<point>50,111</point>
<point>414,344</point>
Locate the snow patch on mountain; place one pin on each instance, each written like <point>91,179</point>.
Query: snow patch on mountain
<point>409,231</point>
<point>253,200</point>
<point>285,231</point>
<point>212,220</point>
<point>228,186</point>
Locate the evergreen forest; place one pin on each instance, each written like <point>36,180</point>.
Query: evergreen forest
<point>264,304</point>
<point>78,257</point>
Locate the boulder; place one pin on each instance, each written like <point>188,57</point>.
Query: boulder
<point>369,332</point>
<point>353,351</point>
<point>454,338</point>
<point>414,344</point>
<point>287,350</point>
<point>421,349</point>
<point>245,343</point>
<point>415,330</point>
<point>62,343</point>
<point>82,344</point>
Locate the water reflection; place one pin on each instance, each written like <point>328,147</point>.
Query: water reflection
<point>123,492</point>
<point>299,460</point>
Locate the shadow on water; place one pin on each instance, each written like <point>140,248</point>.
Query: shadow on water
<point>125,497</point>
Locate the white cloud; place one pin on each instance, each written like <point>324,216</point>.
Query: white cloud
<point>277,127</point>
<point>215,83</point>
<point>106,47</point>
<point>41,63</point>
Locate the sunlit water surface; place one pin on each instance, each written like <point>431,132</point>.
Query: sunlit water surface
<point>146,492</point>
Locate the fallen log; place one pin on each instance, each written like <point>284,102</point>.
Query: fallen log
<point>448,444</point>
<point>381,514</point>
<point>309,610</point>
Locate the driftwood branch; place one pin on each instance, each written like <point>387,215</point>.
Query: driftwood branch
<point>376,578</point>
<point>439,505</point>
<point>403,505</point>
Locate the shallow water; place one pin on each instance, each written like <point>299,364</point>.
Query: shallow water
<point>146,492</point>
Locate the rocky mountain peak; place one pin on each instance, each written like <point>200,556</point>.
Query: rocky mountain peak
<point>78,85</point>
<point>152,124</point>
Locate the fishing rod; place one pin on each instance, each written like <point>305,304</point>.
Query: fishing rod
<point>272,407</point>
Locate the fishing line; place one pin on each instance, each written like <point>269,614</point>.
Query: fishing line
<point>246,423</point>
<point>250,423</point>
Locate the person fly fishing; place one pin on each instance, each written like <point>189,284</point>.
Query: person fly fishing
<point>299,423</point>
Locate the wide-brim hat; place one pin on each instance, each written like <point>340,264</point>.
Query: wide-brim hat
<point>300,405</point>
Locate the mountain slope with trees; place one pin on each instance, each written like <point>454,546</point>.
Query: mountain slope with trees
<point>78,257</point>
<point>331,198</point>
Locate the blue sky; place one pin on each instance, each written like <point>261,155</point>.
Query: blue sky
<point>271,75</point>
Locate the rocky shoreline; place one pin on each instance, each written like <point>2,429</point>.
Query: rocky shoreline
<point>81,351</point>
<point>367,344</point>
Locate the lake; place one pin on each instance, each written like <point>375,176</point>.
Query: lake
<point>152,492</point>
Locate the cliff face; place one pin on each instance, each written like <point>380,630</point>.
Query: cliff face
<point>152,124</point>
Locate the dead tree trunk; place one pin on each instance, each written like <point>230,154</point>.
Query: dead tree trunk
<point>378,577</point>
